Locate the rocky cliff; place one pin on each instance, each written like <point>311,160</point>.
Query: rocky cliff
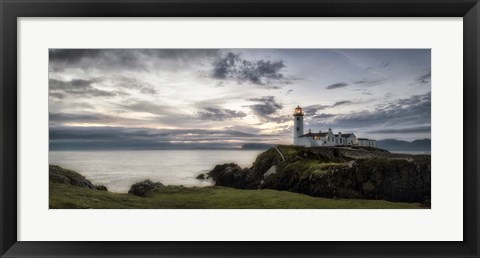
<point>333,172</point>
<point>65,176</point>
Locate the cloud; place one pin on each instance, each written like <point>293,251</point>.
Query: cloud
<point>341,103</point>
<point>260,72</point>
<point>148,107</point>
<point>70,56</point>
<point>70,137</point>
<point>424,79</point>
<point>62,118</point>
<point>78,87</point>
<point>405,112</point>
<point>132,83</point>
<point>312,110</point>
<point>288,92</point>
<point>67,117</point>
<point>337,85</point>
<point>323,116</point>
<point>267,105</point>
<point>267,109</point>
<point>385,64</point>
<point>370,82</point>
<point>217,114</point>
<point>125,59</point>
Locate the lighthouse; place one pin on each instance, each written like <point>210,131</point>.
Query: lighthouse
<point>297,125</point>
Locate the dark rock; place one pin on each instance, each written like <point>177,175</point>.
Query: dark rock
<point>232,175</point>
<point>222,170</point>
<point>142,188</point>
<point>101,188</point>
<point>201,177</point>
<point>366,173</point>
<point>65,176</point>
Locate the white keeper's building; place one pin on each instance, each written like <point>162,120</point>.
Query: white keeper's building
<point>327,138</point>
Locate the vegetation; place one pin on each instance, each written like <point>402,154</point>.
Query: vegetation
<point>70,190</point>
<point>334,172</point>
<point>65,196</point>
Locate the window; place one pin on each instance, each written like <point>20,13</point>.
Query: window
<point>298,128</point>
<point>298,118</point>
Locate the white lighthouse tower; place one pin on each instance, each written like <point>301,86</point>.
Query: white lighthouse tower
<point>297,125</point>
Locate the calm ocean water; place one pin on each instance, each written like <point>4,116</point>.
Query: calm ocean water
<point>413,152</point>
<point>118,170</point>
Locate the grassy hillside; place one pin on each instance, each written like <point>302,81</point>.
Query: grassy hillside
<point>66,196</point>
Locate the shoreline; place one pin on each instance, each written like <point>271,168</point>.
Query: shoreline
<point>64,195</point>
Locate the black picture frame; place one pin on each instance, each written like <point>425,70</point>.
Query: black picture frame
<point>10,10</point>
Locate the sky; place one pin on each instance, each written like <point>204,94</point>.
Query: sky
<point>224,98</point>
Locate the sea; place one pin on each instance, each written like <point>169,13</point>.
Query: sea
<point>413,152</point>
<point>118,170</point>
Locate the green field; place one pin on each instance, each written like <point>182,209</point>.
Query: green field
<point>65,196</point>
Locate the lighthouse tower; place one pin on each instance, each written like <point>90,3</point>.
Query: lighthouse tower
<point>297,125</point>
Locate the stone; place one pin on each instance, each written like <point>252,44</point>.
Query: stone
<point>142,188</point>
<point>101,188</point>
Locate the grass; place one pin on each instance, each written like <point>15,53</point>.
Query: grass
<point>65,196</point>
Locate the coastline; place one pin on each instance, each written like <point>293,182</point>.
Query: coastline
<point>304,178</point>
<point>67,196</point>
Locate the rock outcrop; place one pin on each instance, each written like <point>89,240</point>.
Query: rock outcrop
<point>60,175</point>
<point>142,188</point>
<point>365,173</point>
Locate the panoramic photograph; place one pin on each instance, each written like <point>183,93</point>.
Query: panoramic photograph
<point>239,128</point>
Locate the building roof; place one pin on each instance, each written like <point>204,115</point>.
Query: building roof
<point>345,135</point>
<point>314,135</point>
<point>365,139</point>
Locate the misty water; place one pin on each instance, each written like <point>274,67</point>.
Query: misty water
<point>118,170</point>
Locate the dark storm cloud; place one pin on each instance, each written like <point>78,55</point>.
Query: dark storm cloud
<point>312,110</point>
<point>400,113</point>
<point>56,95</point>
<point>60,118</point>
<point>66,117</point>
<point>217,114</point>
<point>370,82</point>
<point>341,103</point>
<point>385,64</point>
<point>70,56</point>
<point>267,105</point>
<point>222,67</point>
<point>132,59</point>
<point>267,109</point>
<point>66,137</point>
<point>420,129</point>
<point>78,87</point>
<point>424,79</point>
<point>261,72</point>
<point>323,116</point>
<point>337,85</point>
